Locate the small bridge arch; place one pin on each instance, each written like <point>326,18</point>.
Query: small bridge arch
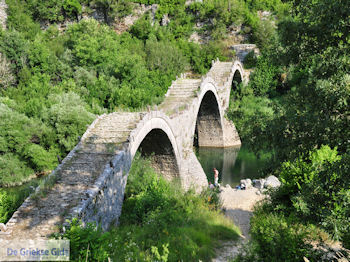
<point>238,76</point>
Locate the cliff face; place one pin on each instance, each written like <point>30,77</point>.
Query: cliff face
<point>3,15</point>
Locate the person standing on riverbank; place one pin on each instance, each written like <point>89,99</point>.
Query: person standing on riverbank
<point>216,177</point>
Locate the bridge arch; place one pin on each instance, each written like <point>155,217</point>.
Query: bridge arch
<point>208,125</point>
<point>237,78</point>
<point>155,139</point>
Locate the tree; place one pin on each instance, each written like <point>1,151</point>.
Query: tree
<point>72,7</point>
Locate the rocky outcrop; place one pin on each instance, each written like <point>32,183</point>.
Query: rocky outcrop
<point>243,50</point>
<point>272,182</point>
<point>3,14</point>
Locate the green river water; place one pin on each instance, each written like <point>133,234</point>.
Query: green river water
<point>233,164</point>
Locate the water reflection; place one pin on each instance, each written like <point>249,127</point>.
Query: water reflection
<point>234,164</point>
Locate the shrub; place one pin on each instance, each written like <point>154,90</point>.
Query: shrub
<point>69,116</point>
<point>274,238</point>
<point>315,189</point>
<point>165,57</point>
<point>250,60</point>
<point>22,146</point>
<point>264,78</point>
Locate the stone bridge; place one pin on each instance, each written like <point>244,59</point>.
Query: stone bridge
<point>90,181</point>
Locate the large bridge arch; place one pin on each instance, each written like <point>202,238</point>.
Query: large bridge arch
<point>208,125</point>
<point>155,139</point>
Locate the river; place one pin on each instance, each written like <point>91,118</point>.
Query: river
<point>233,164</point>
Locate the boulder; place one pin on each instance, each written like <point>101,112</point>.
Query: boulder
<point>246,182</point>
<point>165,20</point>
<point>228,186</point>
<point>272,181</point>
<point>259,183</point>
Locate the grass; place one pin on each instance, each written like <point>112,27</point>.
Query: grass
<point>12,198</point>
<point>159,222</point>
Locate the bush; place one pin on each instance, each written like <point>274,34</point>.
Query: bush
<point>274,238</point>
<point>69,116</point>
<point>251,116</point>
<point>23,147</point>
<point>315,189</point>
<point>250,60</point>
<point>264,78</point>
<point>165,57</point>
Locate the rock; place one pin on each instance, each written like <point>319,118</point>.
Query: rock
<point>258,193</point>
<point>165,20</point>
<point>259,183</point>
<point>247,183</point>
<point>3,14</point>
<point>242,50</point>
<point>3,227</point>
<point>272,181</point>
<point>228,186</point>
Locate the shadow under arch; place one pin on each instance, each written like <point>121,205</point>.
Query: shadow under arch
<point>157,147</point>
<point>156,141</point>
<point>208,130</point>
<point>236,80</point>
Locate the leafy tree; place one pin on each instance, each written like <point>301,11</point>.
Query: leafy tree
<point>165,57</point>
<point>15,48</point>
<point>69,116</point>
<point>23,140</point>
<point>72,8</point>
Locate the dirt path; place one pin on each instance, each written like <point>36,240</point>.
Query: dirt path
<point>239,206</point>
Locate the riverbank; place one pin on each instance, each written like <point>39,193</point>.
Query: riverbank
<point>238,206</point>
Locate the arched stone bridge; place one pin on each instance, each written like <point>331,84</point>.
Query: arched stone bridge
<point>90,182</point>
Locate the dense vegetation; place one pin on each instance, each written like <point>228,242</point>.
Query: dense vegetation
<point>297,105</point>
<point>159,222</point>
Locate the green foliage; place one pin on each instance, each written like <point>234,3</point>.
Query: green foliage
<point>264,78</point>
<point>22,139</point>
<point>251,116</point>
<point>69,116</point>
<point>315,188</point>
<point>159,222</point>
<point>72,7</point>
<point>12,198</point>
<point>165,57</point>
<point>274,238</point>
<point>250,60</point>
<point>15,48</point>
<point>264,35</point>
<point>20,18</point>
<point>87,243</point>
